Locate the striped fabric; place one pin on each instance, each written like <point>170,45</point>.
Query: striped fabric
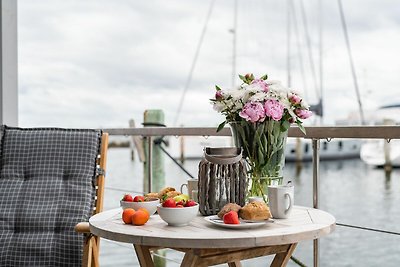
<point>46,188</point>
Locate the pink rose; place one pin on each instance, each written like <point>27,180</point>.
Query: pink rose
<point>294,99</point>
<point>261,83</point>
<point>274,109</point>
<point>253,111</point>
<point>218,95</point>
<point>303,113</point>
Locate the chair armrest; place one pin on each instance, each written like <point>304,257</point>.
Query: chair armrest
<point>82,227</point>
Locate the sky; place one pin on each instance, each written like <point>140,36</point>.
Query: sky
<point>100,63</point>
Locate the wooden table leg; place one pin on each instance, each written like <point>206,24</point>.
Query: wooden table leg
<point>191,260</point>
<point>234,264</point>
<point>144,256</point>
<point>281,259</point>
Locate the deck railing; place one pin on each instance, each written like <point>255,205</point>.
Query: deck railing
<point>314,133</point>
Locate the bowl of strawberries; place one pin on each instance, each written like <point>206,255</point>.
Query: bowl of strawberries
<point>178,211</point>
<point>139,201</point>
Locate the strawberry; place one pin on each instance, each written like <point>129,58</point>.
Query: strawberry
<point>179,206</point>
<point>190,203</point>
<point>138,199</point>
<point>127,198</point>
<point>231,218</point>
<point>169,203</point>
<point>181,203</point>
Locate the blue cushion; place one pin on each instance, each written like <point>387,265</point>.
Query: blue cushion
<point>46,188</point>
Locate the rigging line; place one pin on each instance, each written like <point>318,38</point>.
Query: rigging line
<point>196,55</point>
<point>174,160</point>
<point>299,54</point>
<point>353,71</point>
<point>308,41</point>
<point>368,228</point>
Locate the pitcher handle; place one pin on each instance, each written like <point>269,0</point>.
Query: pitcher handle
<point>290,203</point>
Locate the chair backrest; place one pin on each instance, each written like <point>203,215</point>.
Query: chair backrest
<point>47,185</point>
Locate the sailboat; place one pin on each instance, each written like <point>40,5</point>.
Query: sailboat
<point>380,153</point>
<point>297,150</point>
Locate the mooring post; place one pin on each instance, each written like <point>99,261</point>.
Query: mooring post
<point>153,168</point>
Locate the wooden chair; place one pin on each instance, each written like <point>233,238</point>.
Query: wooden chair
<point>50,180</point>
<point>92,243</point>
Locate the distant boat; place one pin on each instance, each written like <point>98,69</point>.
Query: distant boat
<point>332,150</point>
<point>335,149</point>
<point>377,152</point>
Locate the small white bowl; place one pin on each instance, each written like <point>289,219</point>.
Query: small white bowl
<point>150,206</point>
<point>178,216</point>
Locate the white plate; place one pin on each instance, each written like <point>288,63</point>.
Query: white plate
<point>214,219</point>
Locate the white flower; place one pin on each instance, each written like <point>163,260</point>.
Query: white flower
<point>258,97</point>
<point>219,106</point>
<point>254,88</point>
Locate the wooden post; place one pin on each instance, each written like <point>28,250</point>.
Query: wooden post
<point>299,154</point>
<point>153,118</point>
<point>131,143</point>
<point>386,148</point>
<point>182,148</point>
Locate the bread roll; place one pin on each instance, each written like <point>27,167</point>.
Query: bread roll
<point>256,211</point>
<point>227,208</point>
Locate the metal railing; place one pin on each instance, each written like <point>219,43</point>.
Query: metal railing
<point>314,133</point>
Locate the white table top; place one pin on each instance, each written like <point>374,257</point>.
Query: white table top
<point>303,224</point>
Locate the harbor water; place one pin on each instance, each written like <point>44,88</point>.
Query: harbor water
<point>356,194</point>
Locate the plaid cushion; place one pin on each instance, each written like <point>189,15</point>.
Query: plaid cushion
<point>46,188</point>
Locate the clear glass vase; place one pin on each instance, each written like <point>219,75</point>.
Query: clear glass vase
<point>263,147</point>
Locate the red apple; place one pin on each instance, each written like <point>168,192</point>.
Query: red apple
<point>190,203</point>
<point>169,203</point>
<point>138,199</point>
<point>127,198</point>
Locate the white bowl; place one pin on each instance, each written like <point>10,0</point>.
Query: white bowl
<point>178,216</point>
<point>150,206</point>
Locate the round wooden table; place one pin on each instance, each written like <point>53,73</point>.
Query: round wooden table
<point>206,244</point>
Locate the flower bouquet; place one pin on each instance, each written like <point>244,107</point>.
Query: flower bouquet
<point>260,112</point>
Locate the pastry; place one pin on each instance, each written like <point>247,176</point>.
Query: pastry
<point>165,191</point>
<point>151,196</point>
<point>256,210</point>
<point>227,208</point>
<point>172,194</point>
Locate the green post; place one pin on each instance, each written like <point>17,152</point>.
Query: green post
<point>153,118</point>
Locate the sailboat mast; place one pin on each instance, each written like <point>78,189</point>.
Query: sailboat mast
<point>353,71</point>
<point>321,65</point>
<point>234,43</point>
<point>288,32</point>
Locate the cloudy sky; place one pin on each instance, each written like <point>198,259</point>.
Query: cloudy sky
<point>99,63</point>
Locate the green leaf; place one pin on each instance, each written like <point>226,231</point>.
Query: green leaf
<point>302,129</point>
<point>217,88</point>
<point>264,77</point>
<point>221,126</point>
<point>285,126</point>
<point>242,78</point>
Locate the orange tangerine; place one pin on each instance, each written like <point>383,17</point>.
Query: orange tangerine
<point>144,209</point>
<point>127,215</point>
<point>140,217</point>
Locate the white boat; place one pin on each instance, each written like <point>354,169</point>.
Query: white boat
<point>334,149</point>
<point>377,152</point>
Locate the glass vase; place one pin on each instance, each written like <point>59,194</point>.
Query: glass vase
<point>263,147</point>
